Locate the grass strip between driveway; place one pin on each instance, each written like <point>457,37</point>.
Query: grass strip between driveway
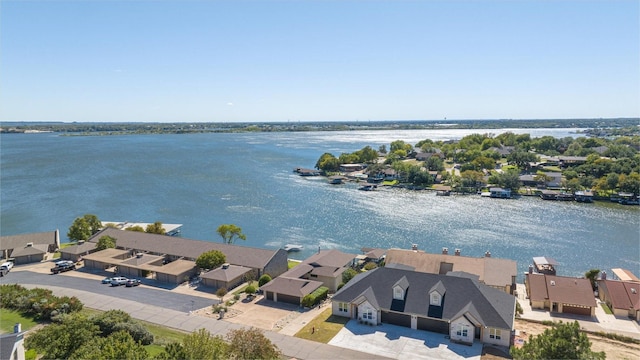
<point>323,327</point>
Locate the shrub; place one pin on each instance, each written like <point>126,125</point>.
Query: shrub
<point>340,285</point>
<point>370,266</point>
<point>250,290</point>
<point>315,297</point>
<point>264,279</point>
<point>138,332</point>
<point>216,308</point>
<point>221,292</point>
<point>236,297</point>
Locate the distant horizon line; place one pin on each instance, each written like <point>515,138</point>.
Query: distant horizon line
<point>317,121</point>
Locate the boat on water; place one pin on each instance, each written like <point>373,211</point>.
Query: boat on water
<point>369,187</point>
<point>292,247</point>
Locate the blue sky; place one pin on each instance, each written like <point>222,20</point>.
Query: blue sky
<point>219,61</point>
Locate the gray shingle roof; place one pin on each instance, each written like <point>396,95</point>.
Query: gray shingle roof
<point>490,306</point>
<point>20,241</point>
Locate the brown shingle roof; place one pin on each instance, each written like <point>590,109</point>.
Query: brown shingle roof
<point>617,293</point>
<point>561,289</point>
<point>491,271</point>
<point>187,248</point>
<point>330,258</point>
<point>230,273</point>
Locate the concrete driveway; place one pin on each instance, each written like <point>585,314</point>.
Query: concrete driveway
<point>402,343</point>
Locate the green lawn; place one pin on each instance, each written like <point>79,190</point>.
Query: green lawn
<point>323,328</point>
<point>606,309</point>
<point>293,263</point>
<point>8,318</point>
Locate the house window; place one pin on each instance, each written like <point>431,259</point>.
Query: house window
<point>495,334</point>
<point>398,293</point>
<point>342,307</point>
<point>435,299</point>
<point>368,314</point>
<point>462,331</point>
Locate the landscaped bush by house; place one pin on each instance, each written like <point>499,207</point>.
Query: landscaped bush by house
<point>250,290</point>
<point>39,303</point>
<point>138,332</point>
<point>315,297</point>
<point>370,266</point>
<point>264,279</point>
<point>217,308</point>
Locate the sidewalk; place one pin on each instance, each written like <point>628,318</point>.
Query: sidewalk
<point>290,346</point>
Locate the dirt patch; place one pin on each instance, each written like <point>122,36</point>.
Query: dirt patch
<point>612,348</point>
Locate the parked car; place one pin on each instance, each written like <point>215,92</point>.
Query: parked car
<point>118,280</point>
<point>63,266</point>
<point>6,266</point>
<point>133,282</point>
<point>107,280</point>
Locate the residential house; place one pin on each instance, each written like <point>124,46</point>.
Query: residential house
<point>560,294</point>
<point>77,251</point>
<point>324,268</point>
<point>172,259</point>
<point>494,272</point>
<point>29,248</point>
<point>457,306</point>
<point>12,345</point>
<point>227,276</point>
<point>504,151</point>
<point>352,167</point>
<point>622,297</point>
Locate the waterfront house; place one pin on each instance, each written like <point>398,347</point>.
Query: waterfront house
<point>560,294</point>
<point>77,251</point>
<point>494,272</point>
<point>29,248</point>
<point>352,167</point>
<point>324,268</point>
<point>622,297</point>
<point>172,259</point>
<point>583,196</point>
<point>500,193</point>
<point>460,307</point>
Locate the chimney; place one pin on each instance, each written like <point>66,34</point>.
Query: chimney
<point>487,254</point>
<point>445,251</point>
<point>530,269</point>
<point>604,275</point>
<point>457,253</point>
<point>17,328</point>
<point>414,247</point>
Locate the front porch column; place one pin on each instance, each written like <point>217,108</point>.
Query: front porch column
<point>414,322</point>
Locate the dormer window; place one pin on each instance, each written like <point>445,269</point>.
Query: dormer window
<point>398,293</point>
<point>435,299</point>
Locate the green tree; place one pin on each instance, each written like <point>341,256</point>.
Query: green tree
<point>367,155</point>
<point>251,344</point>
<point>250,290</point>
<point>508,179</point>
<point>83,227</point>
<point>172,351</point>
<point>328,162</point>
<point>348,274</point>
<point>119,345</point>
<point>156,228</point>
<point>563,341</point>
<point>434,163</point>
<point>522,159</point>
<point>210,259</point>
<point>61,340</point>
<point>201,345</point>
<point>264,279</point>
<point>106,242</point>
<point>382,149</point>
<point>229,232</point>
<point>592,275</point>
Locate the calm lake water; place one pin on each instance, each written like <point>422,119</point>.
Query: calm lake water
<point>204,180</point>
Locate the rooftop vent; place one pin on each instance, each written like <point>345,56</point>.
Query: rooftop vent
<point>139,255</point>
<point>29,244</point>
<point>634,291</point>
<point>445,251</point>
<point>487,254</point>
<point>457,253</point>
<point>603,276</point>
<point>414,247</point>
<point>553,283</point>
<point>80,242</point>
<point>225,266</point>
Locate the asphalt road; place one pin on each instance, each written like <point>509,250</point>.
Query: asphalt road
<point>142,294</point>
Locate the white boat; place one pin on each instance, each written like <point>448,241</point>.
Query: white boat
<point>292,247</point>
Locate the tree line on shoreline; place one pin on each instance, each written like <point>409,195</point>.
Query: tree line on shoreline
<point>609,164</point>
<point>123,128</point>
